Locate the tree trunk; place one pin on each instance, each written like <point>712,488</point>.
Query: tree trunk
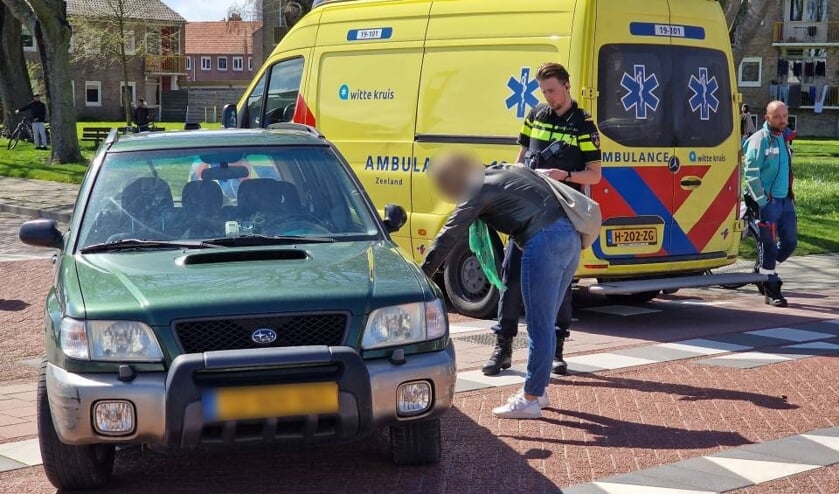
<point>745,23</point>
<point>53,33</point>
<point>14,85</point>
<point>47,19</point>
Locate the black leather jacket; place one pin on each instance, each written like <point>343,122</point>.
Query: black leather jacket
<point>512,200</point>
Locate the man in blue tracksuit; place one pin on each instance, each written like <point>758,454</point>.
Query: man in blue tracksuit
<point>767,160</point>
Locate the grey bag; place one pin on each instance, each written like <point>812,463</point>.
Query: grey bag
<point>582,211</point>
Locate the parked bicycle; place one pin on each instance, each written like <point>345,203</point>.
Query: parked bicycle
<point>23,131</point>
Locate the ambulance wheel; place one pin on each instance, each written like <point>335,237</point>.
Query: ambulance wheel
<point>470,293</point>
<point>634,298</point>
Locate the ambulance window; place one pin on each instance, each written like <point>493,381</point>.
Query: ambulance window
<point>254,108</point>
<point>634,107</point>
<point>282,91</point>
<point>702,91</point>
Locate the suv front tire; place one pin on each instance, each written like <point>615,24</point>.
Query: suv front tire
<point>416,443</point>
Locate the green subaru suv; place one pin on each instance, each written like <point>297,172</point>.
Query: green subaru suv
<point>233,287</point>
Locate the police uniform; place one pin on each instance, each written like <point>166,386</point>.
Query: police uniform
<point>566,142</point>
<point>572,137</point>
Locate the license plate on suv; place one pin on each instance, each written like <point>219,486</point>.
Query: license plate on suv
<point>256,402</point>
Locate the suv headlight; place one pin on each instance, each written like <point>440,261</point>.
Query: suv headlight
<point>404,324</point>
<point>118,341</point>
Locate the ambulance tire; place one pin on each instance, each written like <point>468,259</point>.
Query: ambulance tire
<point>634,298</point>
<point>470,293</point>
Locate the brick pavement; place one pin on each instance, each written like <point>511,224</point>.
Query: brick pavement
<point>37,198</point>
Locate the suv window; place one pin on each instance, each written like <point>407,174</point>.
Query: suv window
<point>282,91</point>
<point>664,96</point>
<point>192,195</point>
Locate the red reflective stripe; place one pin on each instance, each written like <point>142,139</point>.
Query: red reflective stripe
<point>681,195</point>
<point>302,114</point>
<point>725,202</point>
<point>612,205</point>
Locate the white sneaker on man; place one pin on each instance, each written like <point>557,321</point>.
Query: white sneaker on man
<point>544,400</point>
<point>519,407</point>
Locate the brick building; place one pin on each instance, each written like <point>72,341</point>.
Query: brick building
<point>154,42</point>
<point>795,57</point>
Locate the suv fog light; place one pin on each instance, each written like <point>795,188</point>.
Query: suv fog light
<point>413,398</point>
<point>114,418</point>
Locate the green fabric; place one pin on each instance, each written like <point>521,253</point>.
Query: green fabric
<point>480,243</point>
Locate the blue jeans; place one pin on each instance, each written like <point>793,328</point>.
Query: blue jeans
<point>548,263</point>
<point>778,232</point>
<point>510,304</point>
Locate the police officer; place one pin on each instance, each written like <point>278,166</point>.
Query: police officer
<point>561,139</point>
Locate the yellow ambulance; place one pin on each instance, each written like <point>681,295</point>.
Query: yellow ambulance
<point>391,83</point>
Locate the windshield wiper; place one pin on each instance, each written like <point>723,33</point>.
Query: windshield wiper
<point>137,244</point>
<point>253,240</point>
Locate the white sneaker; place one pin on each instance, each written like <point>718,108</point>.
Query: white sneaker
<point>544,400</point>
<point>519,408</point>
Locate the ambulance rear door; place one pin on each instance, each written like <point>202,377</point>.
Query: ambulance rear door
<point>634,113</point>
<point>706,190</point>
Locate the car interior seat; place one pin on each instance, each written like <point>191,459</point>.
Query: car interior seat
<point>202,202</point>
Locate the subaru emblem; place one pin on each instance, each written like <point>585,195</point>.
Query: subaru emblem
<point>264,336</point>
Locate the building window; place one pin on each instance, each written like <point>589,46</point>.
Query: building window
<point>237,64</point>
<point>130,43</point>
<point>28,40</point>
<point>130,90</point>
<point>222,64</point>
<point>749,72</point>
<point>250,64</point>
<point>93,93</point>
<point>188,63</point>
<point>793,122</point>
<point>206,63</point>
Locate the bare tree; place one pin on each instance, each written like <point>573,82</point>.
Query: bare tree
<point>47,21</point>
<point>744,18</point>
<point>15,89</point>
<point>105,40</point>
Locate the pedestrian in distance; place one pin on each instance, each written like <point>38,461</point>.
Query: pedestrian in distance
<point>141,116</point>
<point>560,138</point>
<point>38,113</point>
<point>518,202</point>
<point>747,124</point>
<point>767,161</point>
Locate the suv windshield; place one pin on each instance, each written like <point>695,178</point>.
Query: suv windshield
<point>194,194</point>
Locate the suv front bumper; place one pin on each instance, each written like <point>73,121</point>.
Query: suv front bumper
<point>168,407</point>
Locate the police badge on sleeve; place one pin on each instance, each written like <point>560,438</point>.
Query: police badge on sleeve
<point>595,139</point>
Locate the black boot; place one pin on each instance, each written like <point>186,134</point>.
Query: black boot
<point>560,367</point>
<point>501,358</point>
<point>772,293</point>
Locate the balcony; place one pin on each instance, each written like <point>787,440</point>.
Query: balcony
<point>166,64</point>
<point>831,99</point>
<point>806,34</point>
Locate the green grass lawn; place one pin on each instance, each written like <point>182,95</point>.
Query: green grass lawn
<point>26,162</point>
<point>816,164</point>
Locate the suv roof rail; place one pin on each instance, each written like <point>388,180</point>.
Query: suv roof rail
<point>113,135</point>
<point>296,126</point>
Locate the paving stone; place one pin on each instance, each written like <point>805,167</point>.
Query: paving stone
<point>463,385</point>
<point>791,334</point>
<point>584,489</point>
<point>695,474</point>
<point>749,340</point>
<point>7,464</point>
<point>794,449</point>
<point>658,353</point>
<point>27,452</point>
<point>608,360</point>
<point>758,472</point>
<point>705,346</point>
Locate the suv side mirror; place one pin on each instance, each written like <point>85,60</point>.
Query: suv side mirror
<point>229,118</point>
<point>41,233</point>
<point>395,217</point>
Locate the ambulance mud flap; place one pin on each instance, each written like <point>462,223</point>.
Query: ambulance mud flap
<point>637,286</point>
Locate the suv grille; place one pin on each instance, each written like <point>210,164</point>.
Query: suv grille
<point>236,334</point>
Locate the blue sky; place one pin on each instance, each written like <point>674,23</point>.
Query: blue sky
<point>201,10</point>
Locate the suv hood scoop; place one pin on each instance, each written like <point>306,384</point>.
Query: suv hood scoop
<point>224,256</point>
